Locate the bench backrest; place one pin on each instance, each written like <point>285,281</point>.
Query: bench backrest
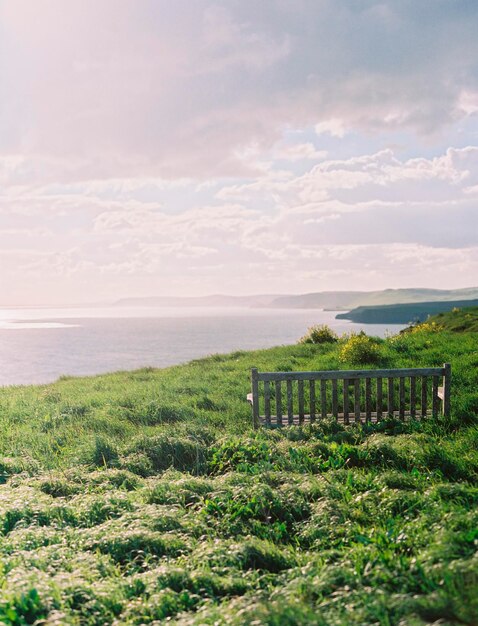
<point>349,395</point>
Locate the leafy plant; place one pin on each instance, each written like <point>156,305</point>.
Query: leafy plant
<point>319,334</point>
<point>360,349</point>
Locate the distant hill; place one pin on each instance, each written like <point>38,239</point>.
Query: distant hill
<point>350,299</point>
<point>402,313</point>
<point>332,300</point>
<point>216,300</point>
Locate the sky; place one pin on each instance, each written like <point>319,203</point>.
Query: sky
<point>152,147</point>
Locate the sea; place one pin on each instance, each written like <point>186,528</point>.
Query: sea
<point>38,345</point>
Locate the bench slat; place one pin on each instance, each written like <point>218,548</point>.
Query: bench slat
<point>290,409</point>
<point>267,401</point>
<point>346,401</point>
<point>368,399</point>
<point>312,400</point>
<point>390,398</point>
<point>300,390</point>
<point>401,393</point>
<point>351,374</point>
<point>278,391</point>
<point>379,397</point>
<point>435,398</point>
<point>335,397</point>
<point>413,395</point>
<point>357,413</point>
<point>424,395</point>
<point>323,398</point>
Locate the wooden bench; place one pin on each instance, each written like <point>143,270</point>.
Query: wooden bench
<point>349,396</point>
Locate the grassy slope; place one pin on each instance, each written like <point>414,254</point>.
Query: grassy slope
<point>458,320</point>
<point>138,496</point>
<point>402,313</point>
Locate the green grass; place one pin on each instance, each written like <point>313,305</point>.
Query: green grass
<point>140,497</point>
<point>405,313</point>
<point>458,320</point>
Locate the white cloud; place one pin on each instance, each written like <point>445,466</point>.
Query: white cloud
<point>363,212</point>
<point>365,182</point>
<point>175,146</point>
<point>228,43</point>
<point>178,89</point>
<point>468,102</point>
<point>333,126</point>
<point>299,152</point>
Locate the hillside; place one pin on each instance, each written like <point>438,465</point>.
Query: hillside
<point>335,300</point>
<point>402,313</point>
<point>217,300</point>
<point>458,320</point>
<point>136,497</point>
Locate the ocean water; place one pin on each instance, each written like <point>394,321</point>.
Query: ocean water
<point>39,345</point>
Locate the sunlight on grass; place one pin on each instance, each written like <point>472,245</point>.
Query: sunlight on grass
<point>137,497</point>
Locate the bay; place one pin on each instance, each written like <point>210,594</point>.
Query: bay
<point>39,345</point>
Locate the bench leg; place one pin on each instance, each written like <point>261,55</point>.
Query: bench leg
<point>255,398</point>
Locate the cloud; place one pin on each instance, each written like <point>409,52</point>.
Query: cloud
<point>161,146</point>
<point>117,89</point>
<point>369,199</point>
<point>352,184</point>
<point>414,219</point>
<point>333,126</point>
<point>298,152</point>
<point>228,44</point>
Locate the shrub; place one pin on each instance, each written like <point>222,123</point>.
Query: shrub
<point>320,333</point>
<point>360,349</point>
<point>427,327</point>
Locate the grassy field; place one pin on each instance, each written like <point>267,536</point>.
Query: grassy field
<point>140,497</point>
<point>403,313</point>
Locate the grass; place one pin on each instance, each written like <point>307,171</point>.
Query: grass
<point>404,313</point>
<point>140,497</point>
<point>458,320</point>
